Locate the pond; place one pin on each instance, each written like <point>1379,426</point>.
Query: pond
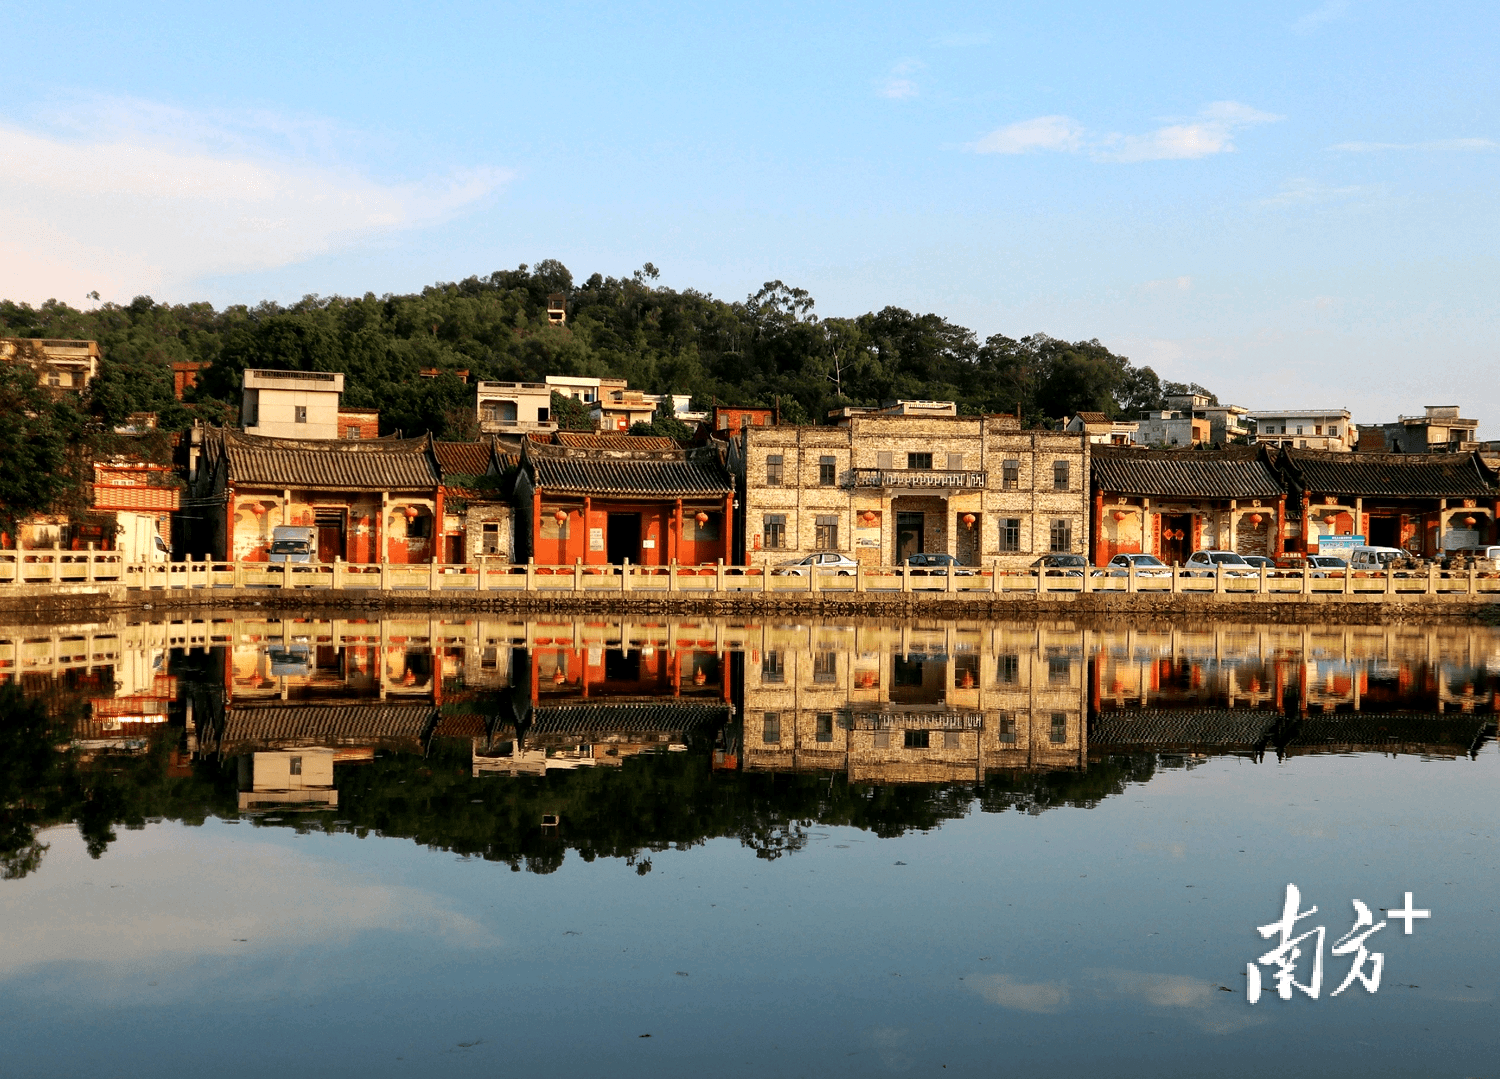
<point>418,846</point>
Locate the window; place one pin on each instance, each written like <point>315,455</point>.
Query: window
<point>882,739</point>
<point>823,730</point>
<point>919,460</point>
<point>1299,428</point>
<point>952,740</point>
<point>1009,671</point>
<point>294,766</point>
<point>489,659</point>
<point>955,462</point>
<point>352,431</point>
<point>1010,475</point>
<point>773,470</point>
<point>1059,728</point>
<point>774,527</point>
<point>301,413</point>
<point>1062,535</point>
<point>542,414</point>
<point>1010,534</point>
<point>419,527</point>
<point>491,540</point>
<point>826,667</point>
<point>885,459</point>
<point>771,669</point>
<point>1301,442</point>
<point>1317,429</point>
<point>54,379</point>
<point>770,731</point>
<point>916,739</point>
<point>1059,475</point>
<point>826,535</point>
<point>827,472</point>
<point>1008,731</point>
<point>1059,668</point>
<point>1333,432</point>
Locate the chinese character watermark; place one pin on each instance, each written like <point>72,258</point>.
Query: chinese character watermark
<point>1366,965</point>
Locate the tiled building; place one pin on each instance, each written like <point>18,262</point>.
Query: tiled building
<point>1170,503</point>
<point>880,487</point>
<point>1424,502</point>
<point>378,501</point>
<point>478,517</point>
<point>611,498</point>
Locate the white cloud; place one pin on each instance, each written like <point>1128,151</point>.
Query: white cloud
<point>1205,1003</point>
<point>150,199</point>
<point>1430,145</point>
<point>1043,133</point>
<point>1041,998</point>
<point>1321,17</point>
<point>898,85</point>
<point>1210,132</point>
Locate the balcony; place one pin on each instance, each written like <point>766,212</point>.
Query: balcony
<point>928,478</point>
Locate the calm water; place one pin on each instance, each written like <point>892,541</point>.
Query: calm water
<point>496,848</point>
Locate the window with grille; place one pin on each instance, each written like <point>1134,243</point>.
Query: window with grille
<point>1008,672</point>
<point>919,460</point>
<point>770,731</point>
<point>827,532</point>
<point>295,766</point>
<point>353,431</point>
<point>825,667</point>
<point>1059,728</point>
<point>1010,534</point>
<point>827,471</point>
<point>1007,731</point>
<point>1059,670</point>
<point>1062,535</point>
<point>916,739</point>
<point>773,470</point>
<point>771,668</point>
<point>301,413</point>
<point>1010,475</point>
<point>1059,475</point>
<point>823,730</point>
<point>774,527</point>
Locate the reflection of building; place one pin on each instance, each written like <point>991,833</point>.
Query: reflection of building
<point>301,778</point>
<point>881,487</point>
<point>917,717</point>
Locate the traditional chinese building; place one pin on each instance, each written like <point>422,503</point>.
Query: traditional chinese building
<point>882,486</point>
<point>1170,503</point>
<point>478,517</point>
<point>1424,502</point>
<point>375,501</point>
<point>612,498</point>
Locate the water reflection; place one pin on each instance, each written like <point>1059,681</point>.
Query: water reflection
<point>517,741</point>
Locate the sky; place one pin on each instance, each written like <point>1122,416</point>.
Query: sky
<point>1294,204</point>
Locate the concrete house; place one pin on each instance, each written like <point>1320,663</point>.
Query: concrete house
<point>291,404</point>
<point>1440,429</point>
<point>1305,429</point>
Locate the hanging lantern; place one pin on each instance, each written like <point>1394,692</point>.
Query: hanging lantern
<point>1469,521</point>
<point>411,513</point>
<point>699,678</point>
<point>868,517</point>
<point>561,516</point>
<point>969,519</point>
<point>701,518</point>
<point>559,678</point>
<point>1256,518</point>
<point>1120,515</point>
<point>256,508</point>
<point>1330,520</point>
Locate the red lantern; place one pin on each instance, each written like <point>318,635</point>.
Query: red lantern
<point>868,517</point>
<point>1330,520</point>
<point>561,516</point>
<point>701,518</point>
<point>1256,518</point>
<point>699,678</point>
<point>1120,515</point>
<point>969,520</point>
<point>411,513</point>
<point>1469,521</point>
<point>559,678</point>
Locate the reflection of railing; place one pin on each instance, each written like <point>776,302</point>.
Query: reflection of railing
<point>918,477</point>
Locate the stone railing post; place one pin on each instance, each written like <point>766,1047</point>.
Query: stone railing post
<point>624,584</point>
<point>578,575</point>
<point>859,577</point>
<point>1176,578</point>
<point>1130,577</point>
<point>672,576</point>
<point>905,572</point>
<point>719,579</point>
<point>530,574</point>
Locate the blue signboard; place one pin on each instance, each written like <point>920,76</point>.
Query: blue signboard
<point>1339,546</point>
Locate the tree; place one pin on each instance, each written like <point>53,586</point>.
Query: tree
<point>570,414</point>
<point>38,433</point>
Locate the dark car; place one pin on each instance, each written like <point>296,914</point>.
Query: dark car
<point>1061,565</point>
<point>935,565</point>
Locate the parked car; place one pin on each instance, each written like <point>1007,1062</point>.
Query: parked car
<point>1061,565</point>
<point>841,565</point>
<point>1381,559</point>
<point>1215,563</point>
<point>1325,565</point>
<point>935,565</point>
<point>1261,562</point>
<point>1146,565</point>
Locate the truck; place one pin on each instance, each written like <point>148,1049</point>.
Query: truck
<point>294,543</point>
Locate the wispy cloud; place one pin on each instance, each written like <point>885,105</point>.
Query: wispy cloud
<point>1041,998</point>
<point>1304,192</point>
<point>1210,132</point>
<point>1203,1003</point>
<point>899,85</point>
<point>135,198</point>
<point>1431,145</point>
<point>1320,17</point>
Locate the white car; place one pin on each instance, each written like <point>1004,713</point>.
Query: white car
<point>1216,563</point>
<point>1146,565</point>
<point>840,565</point>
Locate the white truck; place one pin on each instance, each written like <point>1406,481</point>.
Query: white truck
<point>294,543</point>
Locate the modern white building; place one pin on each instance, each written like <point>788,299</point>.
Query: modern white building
<point>291,404</point>
<point>514,407</point>
<point>1305,429</point>
<point>1103,431</point>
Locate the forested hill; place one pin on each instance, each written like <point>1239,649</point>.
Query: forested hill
<point>770,345</point>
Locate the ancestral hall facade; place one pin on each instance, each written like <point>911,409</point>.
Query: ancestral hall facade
<point>881,487</point>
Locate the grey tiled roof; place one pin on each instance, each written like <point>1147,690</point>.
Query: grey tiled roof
<point>337,464</point>
<point>1231,473</point>
<point>1226,728</point>
<point>253,726</point>
<point>1420,475</point>
<point>1448,734</point>
<point>659,473</point>
<point>634,717</point>
<point>467,458</point>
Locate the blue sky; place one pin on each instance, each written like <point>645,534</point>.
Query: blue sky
<point>1293,203</point>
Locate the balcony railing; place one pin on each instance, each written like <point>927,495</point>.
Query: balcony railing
<point>960,479</point>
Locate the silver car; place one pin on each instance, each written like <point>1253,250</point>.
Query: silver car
<point>839,564</point>
<point>1217,563</point>
<point>1146,565</point>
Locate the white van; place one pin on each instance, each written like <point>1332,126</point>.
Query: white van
<point>1376,559</point>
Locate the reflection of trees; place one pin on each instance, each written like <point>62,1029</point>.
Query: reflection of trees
<point>1036,792</point>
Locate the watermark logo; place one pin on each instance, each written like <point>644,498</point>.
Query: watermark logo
<point>1283,959</point>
